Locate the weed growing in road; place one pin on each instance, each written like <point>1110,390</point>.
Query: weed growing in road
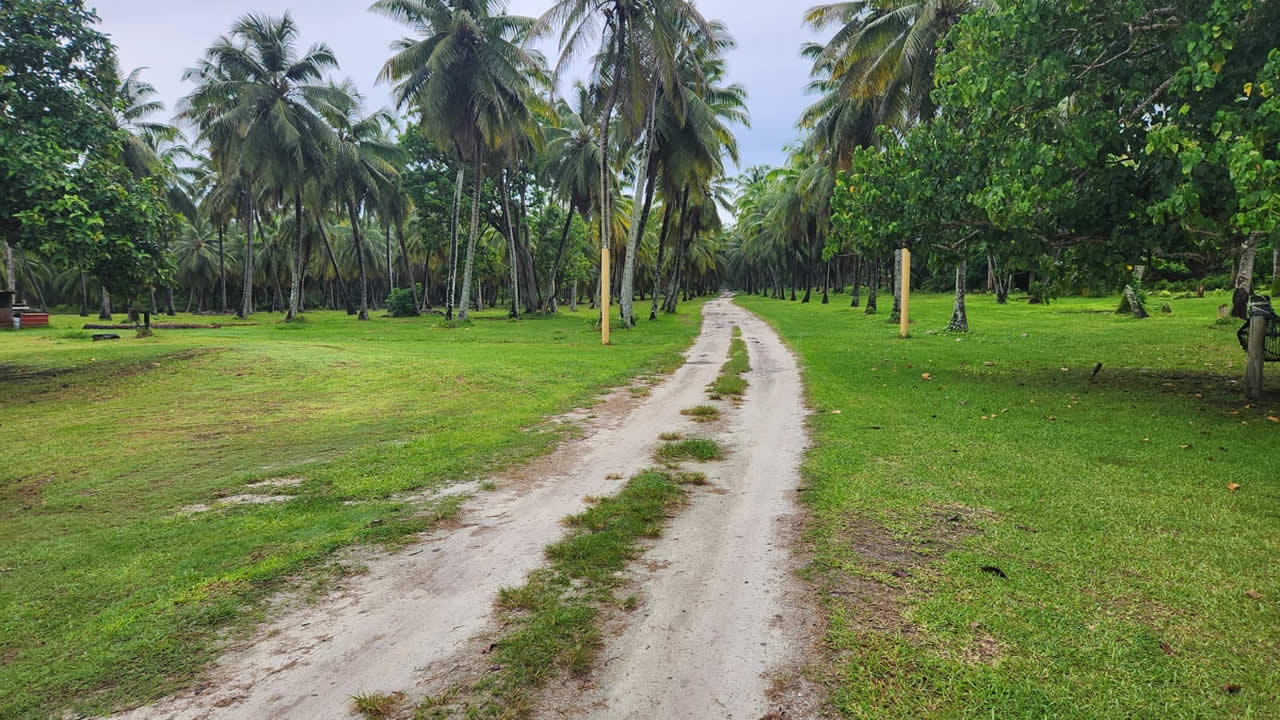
<point>702,413</point>
<point>731,381</point>
<point>553,614</point>
<point>376,706</point>
<point>669,436</point>
<point>691,478</point>
<point>700,449</point>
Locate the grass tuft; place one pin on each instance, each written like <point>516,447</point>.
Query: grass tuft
<point>730,381</point>
<point>376,706</point>
<point>702,413</point>
<point>700,449</point>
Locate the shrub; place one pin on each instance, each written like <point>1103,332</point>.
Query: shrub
<point>400,303</point>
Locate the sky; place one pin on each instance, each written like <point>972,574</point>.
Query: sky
<point>168,36</point>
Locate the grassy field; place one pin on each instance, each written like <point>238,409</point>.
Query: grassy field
<point>998,537</point>
<point>112,590</point>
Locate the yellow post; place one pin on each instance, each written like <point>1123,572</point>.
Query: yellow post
<point>904,329</point>
<point>604,296</point>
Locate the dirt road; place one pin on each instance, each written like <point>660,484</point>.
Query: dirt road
<point>719,614</point>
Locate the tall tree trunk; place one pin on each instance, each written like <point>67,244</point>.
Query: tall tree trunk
<point>573,297</point>
<point>295,282</point>
<point>673,285</point>
<point>1275,268</point>
<point>895,271</point>
<point>391,268</point>
<point>246,300</point>
<point>826,285</point>
<point>343,294</point>
<point>453,240</point>
<point>84,295</point>
<point>662,246</point>
<point>504,191</point>
<point>606,215</point>
<point>960,318</point>
<point>465,304</point>
<point>857,281</point>
<point>222,269</point>
<point>639,213</point>
<point>359,248</point>
<point>10,269</point>
<point>105,312</point>
<point>170,310</point>
<point>548,302</point>
<point>873,281</point>
<point>1244,277</point>
<point>404,256</point>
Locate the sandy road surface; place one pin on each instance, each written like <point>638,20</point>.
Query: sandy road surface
<point>716,619</point>
<point>722,610</point>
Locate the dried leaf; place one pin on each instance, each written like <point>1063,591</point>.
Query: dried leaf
<point>1231,688</point>
<point>1167,650</point>
<point>1253,594</point>
<point>1185,447</point>
<point>1233,486</point>
<point>1052,418</point>
<point>1273,418</point>
<point>926,376</point>
<point>835,412</point>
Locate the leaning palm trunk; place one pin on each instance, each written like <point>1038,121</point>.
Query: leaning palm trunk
<point>453,241</point>
<point>84,295</point>
<point>639,211</point>
<point>549,302</point>
<point>343,294</point>
<point>1244,277</point>
<point>295,282</point>
<point>960,318</point>
<point>465,304</point>
<point>662,246</point>
<point>359,247</point>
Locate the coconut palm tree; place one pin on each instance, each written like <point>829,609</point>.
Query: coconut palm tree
<point>364,162</point>
<point>886,48</point>
<point>259,105</point>
<point>136,104</point>
<point>638,38</point>
<point>468,76</point>
<point>572,160</point>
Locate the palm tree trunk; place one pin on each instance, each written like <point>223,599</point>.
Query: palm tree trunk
<point>84,295</point>
<point>105,312</point>
<point>548,302</point>
<point>465,303</point>
<point>391,268</point>
<point>895,271</point>
<point>246,300</point>
<point>606,216</point>
<point>959,318</point>
<point>573,296</point>
<point>856,290</point>
<point>662,246</point>
<point>343,294</point>
<point>10,269</point>
<point>295,283</point>
<point>359,248</point>
<point>453,240</point>
<point>504,190</point>
<point>170,310</point>
<point>639,212</point>
<point>826,285</point>
<point>222,270</point>
<point>404,256</point>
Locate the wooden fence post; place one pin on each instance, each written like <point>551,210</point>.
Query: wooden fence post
<point>1253,365</point>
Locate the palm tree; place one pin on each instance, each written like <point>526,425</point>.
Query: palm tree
<point>364,162</point>
<point>141,136</point>
<point>886,49</point>
<point>638,37</point>
<point>468,77</point>
<point>573,163</point>
<point>259,105</point>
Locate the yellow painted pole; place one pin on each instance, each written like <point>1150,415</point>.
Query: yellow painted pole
<point>904,329</point>
<point>604,296</point>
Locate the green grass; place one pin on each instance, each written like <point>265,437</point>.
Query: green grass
<point>702,413</point>
<point>1136,584</point>
<point>730,381</point>
<point>700,449</point>
<point>111,595</point>
<point>552,617</point>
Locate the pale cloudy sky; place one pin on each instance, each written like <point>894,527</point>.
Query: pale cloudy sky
<point>169,35</point>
